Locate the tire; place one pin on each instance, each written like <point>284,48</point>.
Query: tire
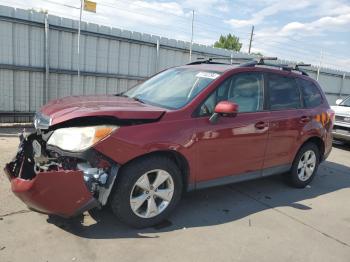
<point>296,177</point>
<point>130,191</point>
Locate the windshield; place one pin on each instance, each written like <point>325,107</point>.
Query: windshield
<point>173,88</point>
<point>346,102</point>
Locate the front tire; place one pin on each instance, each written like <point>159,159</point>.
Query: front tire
<point>147,190</point>
<point>305,165</point>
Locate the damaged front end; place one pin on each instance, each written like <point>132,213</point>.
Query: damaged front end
<point>52,180</point>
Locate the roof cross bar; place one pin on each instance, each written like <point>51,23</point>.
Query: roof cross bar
<point>297,68</point>
<point>259,61</point>
<point>203,60</point>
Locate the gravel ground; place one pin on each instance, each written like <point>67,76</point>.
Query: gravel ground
<point>262,220</point>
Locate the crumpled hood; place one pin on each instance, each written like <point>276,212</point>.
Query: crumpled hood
<point>67,108</point>
<point>341,110</point>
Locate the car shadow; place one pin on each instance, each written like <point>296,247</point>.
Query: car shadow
<point>215,206</point>
<point>341,145</point>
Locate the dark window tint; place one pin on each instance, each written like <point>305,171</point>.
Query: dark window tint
<point>244,89</point>
<point>311,94</point>
<point>284,92</point>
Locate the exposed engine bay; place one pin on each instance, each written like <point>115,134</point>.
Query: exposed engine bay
<point>35,156</point>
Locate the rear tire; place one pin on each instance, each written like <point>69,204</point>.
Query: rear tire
<point>147,190</point>
<point>305,166</point>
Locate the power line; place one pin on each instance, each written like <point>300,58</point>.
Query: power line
<point>298,56</point>
<point>294,48</point>
<point>183,26</point>
<point>302,42</point>
<point>183,30</point>
<point>197,12</point>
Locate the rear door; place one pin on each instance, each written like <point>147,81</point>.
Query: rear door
<point>287,119</point>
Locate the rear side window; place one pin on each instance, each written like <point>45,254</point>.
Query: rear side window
<point>283,92</point>
<point>311,94</point>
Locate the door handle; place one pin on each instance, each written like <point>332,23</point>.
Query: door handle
<point>260,125</point>
<point>304,119</point>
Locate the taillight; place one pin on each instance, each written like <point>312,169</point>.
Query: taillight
<point>331,116</point>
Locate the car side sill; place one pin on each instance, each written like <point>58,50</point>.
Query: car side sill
<point>240,178</point>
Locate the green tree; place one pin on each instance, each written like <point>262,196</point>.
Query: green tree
<point>230,42</point>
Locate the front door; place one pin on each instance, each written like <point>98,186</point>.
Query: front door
<point>233,145</point>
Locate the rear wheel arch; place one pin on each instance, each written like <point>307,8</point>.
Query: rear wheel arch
<point>318,142</point>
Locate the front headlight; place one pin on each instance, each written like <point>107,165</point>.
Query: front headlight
<point>79,138</point>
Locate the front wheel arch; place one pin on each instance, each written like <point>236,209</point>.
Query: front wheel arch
<point>178,158</point>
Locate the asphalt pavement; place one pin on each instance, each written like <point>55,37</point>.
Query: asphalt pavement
<point>261,220</point>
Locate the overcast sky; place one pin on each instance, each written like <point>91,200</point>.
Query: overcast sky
<point>294,30</point>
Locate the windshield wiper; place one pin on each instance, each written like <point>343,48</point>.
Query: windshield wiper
<point>138,99</point>
<point>121,94</point>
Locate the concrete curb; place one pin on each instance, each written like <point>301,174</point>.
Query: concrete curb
<point>18,125</point>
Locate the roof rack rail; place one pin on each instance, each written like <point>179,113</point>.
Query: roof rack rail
<point>202,60</point>
<point>252,62</point>
<point>285,67</point>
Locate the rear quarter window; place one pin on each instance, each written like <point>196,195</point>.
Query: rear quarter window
<point>310,93</point>
<point>283,92</point>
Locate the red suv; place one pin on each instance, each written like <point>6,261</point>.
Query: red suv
<point>195,126</point>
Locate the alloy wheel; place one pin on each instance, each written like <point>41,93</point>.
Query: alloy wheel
<point>152,193</point>
<point>306,166</point>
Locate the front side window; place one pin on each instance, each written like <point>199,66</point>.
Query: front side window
<point>283,92</point>
<point>311,94</point>
<point>244,89</point>
<point>173,88</point>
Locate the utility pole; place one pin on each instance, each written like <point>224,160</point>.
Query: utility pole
<point>320,64</point>
<point>191,37</point>
<point>251,39</point>
<point>78,50</point>
<point>47,72</point>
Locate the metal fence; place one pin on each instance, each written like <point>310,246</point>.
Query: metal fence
<point>39,61</point>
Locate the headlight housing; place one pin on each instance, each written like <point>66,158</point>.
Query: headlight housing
<point>79,138</point>
<point>41,121</point>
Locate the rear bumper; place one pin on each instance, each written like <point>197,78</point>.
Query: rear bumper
<point>62,192</point>
<point>341,131</point>
<point>341,136</point>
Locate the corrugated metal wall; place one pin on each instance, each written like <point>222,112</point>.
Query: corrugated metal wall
<point>111,61</point>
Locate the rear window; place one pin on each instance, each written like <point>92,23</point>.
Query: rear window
<point>311,94</point>
<point>283,92</point>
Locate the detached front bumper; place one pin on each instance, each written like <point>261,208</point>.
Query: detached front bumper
<point>62,193</point>
<point>57,189</point>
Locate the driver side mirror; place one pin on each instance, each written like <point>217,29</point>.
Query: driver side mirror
<point>225,109</point>
<point>338,101</point>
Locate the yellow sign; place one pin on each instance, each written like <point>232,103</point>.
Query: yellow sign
<point>89,6</point>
